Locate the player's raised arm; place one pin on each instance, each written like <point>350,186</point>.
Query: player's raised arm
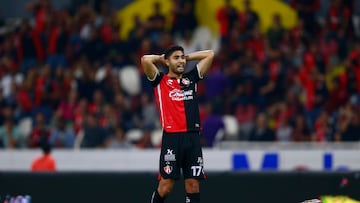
<point>148,64</point>
<point>205,60</point>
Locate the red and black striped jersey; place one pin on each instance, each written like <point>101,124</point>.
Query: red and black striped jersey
<point>177,101</point>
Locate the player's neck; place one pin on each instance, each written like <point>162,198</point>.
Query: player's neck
<point>174,75</point>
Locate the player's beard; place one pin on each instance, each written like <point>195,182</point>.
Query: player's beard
<point>178,69</point>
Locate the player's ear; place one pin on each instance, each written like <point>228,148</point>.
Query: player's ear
<point>167,62</point>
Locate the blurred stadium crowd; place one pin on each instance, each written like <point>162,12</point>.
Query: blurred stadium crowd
<point>68,79</point>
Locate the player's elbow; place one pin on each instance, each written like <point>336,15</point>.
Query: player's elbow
<point>211,53</point>
<point>144,60</point>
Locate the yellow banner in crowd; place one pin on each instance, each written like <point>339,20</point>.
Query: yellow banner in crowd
<point>143,9</point>
<point>205,12</point>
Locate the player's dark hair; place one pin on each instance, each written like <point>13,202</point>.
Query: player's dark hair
<point>45,147</point>
<point>172,49</point>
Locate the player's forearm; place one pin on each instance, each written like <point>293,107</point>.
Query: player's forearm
<point>199,55</point>
<point>148,64</point>
<point>151,58</point>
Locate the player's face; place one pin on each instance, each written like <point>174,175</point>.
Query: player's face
<point>177,62</point>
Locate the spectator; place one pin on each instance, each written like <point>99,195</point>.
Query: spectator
<point>61,86</point>
<point>9,82</point>
<point>10,135</point>
<point>136,35</point>
<point>61,135</point>
<point>96,104</point>
<point>124,111</point>
<point>43,87</point>
<point>263,86</point>
<point>41,11</point>
<point>67,107</point>
<point>306,11</point>
<point>276,31</point>
<point>213,126</point>
<point>301,132</point>
<point>255,45</point>
<point>218,85</point>
<point>94,135</point>
<point>283,131</point>
<point>338,96</point>
<point>339,18</point>
<point>80,112</point>
<point>348,124</point>
<point>145,140</point>
<point>156,23</point>
<point>261,130</point>
<point>24,102</point>
<point>245,115</point>
<point>84,18</point>
<point>109,118</point>
<point>93,47</point>
<point>40,132</point>
<point>29,48</point>
<point>6,113</point>
<point>322,128</point>
<point>118,140</point>
<point>352,73</point>
<point>106,31</point>
<point>109,83</point>
<point>58,43</point>
<point>298,34</point>
<point>184,19</point>
<point>227,16</point>
<point>147,111</point>
<point>188,42</point>
<point>248,18</point>
<point>85,81</point>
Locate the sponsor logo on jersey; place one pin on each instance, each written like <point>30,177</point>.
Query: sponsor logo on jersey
<point>169,156</point>
<point>169,82</point>
<point>180,95</point>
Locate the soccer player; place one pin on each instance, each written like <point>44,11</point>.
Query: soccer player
<point>45,162</point>
<point>175,94</point>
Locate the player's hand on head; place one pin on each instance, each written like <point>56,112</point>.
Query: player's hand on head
<point>162,58</point>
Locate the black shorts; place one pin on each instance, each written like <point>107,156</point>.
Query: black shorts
<point>181,151</point>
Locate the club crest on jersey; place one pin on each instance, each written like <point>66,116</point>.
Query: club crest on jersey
<point>185,81</point>
<point>168,169</point>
